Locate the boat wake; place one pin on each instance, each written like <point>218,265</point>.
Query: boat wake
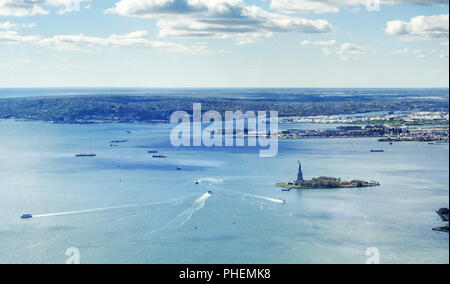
<point>85,211</point>
<point>211,180</point>
<point>274,200</point>
<point>107,209</point>
<point>184,217</point>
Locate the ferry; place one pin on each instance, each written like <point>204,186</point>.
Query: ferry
<point>86,155</point>
<point>26,216</point>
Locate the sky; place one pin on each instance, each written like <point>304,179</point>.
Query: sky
<point>224,43</point>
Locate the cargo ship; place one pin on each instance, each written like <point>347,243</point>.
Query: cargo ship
<point>159,156</point>
<point>118,141</point>
<point>85,155</point>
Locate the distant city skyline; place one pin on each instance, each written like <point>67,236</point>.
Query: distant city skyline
<point>224,43</point>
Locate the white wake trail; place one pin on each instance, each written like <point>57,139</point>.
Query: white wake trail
<point>108,208</point>
<point>186,216</point>
<point>274,200</point>
<point>86,211</point>
<point>212,180</point>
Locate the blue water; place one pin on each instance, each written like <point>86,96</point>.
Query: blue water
<point>145,211</point>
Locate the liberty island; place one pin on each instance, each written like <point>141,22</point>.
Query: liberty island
<point>324,182</point>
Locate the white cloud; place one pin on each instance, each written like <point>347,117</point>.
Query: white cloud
<point>23,8</point>
<point>216,18</point>
<point>15,63</point>
<point>345,51</point>
<point>8,25</point>
<point>71,66</point>
<point>400,51</point>
<point>319,43</point>
<point>12,37</point>
<point>422,54</point>
<point>327,51</point>
<point>420,28</point>
<point>350,51</point>
<point>85,43</point>
<point>333,6</point>
<point>310,6</point>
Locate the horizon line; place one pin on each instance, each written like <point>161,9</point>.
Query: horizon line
<point>181,88</point>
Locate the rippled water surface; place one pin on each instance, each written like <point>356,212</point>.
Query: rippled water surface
<point>125,207</point>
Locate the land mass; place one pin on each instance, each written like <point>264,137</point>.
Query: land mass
<point>158,108</point>
<point>326,182</point>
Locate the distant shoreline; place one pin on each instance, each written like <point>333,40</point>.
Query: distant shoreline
<point>158,107</point>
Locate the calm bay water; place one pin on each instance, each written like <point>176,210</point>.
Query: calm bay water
<point>148,212</point>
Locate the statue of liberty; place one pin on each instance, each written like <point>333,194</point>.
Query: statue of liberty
<point>300,172</point>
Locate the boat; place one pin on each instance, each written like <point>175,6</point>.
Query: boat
<point>86,155</point>
<point>197,182</point>
<point>210,192</point>
<point>26,216</point>
<point>178,169</point>
<point>283,200</point>
<point>377,151</point>
<point>118,141</point>
<point>443,213</point>
<point>159,156</point>
<point>152,152</point>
